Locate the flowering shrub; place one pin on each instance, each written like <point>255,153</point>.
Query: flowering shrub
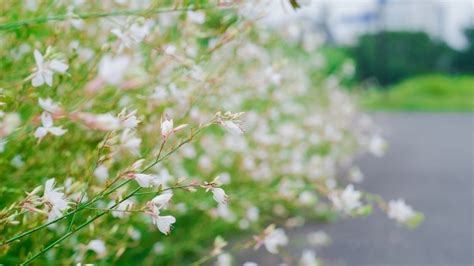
<point>152,131</point>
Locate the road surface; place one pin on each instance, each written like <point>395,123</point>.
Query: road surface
<point>430,164</point>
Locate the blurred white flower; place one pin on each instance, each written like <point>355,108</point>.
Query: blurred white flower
<point>224,259</point>
<point>377,146</point>
<point>166,127</point>
<point>197,17</point>
<point>143,180</point>
<point>355,175</point>
<point>101,172</point>
<point>112,69</point>
<point>49,105</point>
<point>48,127</point>
<point>130,142</point>
<point>44,70</point>
<point>98,246</point>
<point>308,258</point>
<point>347,200</point>
<point>161,201</point>
<point>274,240</point>
<point>121,210</point>
<point>54,199</point>
<point>400,211</point>
<point>219,195</point>
<point>17,161</point>
<point>318,238</point>
<point>231,127</point>
<point>249,263</point>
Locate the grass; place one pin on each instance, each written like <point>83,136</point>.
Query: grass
<point>425,93</point>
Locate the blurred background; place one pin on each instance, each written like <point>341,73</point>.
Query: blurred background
<point>413,66</point>
<point>408,54</point>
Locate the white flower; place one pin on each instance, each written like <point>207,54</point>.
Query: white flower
<point>48,105</point>
<point>98,246</point>
<point>219,195</point>
<point>377,146</point>
<point>120,210</point>
<point>129,142</point>
<point>54,199</point>
<point>144,180</point>
<point>224,259</point>
<point>101,172</point>
<point>347,200</point>
<point>196,17</point>
<point>45,69</point>
<point>308,258</point>
<point>48,127</point>
<point>398,210</point>
<point>162,222</point>
<point>161,201</point>
<point>129,120</point>
<point>166,127</point>
<point>318,238</point>
<point>231,127</point>
<point>249,263</point>
<point>131,35</point>
<point>355,175</point>
<point>275,239</point>
<point>112,69</point>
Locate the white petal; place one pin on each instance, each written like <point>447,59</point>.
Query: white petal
<point>144,180</point>
<point>232,127</point>
<point>38,57</point>
<point>40,132</point>
<point>164,223</point>
<point>46,120</point>
<point>48,186</point>
<point>162,199</point>
<point>57,131</point>
<point>219,195</point>
<point>37,80</point>
<point>58,66</point>
<point>48,77</point>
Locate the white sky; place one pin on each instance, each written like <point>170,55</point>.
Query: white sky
<point>457,15</point>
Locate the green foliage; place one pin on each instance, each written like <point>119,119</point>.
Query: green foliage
<point>464,60</point>
<point>426,93</point>
<point>392,56</point>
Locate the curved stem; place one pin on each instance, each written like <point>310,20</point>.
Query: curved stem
<point>59,240</point>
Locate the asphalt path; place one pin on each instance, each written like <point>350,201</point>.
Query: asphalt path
<point>429,164</point>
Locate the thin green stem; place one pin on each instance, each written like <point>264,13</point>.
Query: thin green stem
<point>59,240</point>
<point>104,193</point>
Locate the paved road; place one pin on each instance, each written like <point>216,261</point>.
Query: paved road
<point>430,164</point>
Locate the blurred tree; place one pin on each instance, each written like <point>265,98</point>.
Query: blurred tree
<point>393,56</point>
<point>464,60</point>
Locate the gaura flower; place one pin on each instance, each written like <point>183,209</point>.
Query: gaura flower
<point>162,200</point>
<point>143,180</point>
<point>98,246</point>
<point>272,239</point>
<point>167,128</point>
<point>49,105</point>
<point>47,122</point>
<point>163,223</point>
<point>308,258</point>
<point>54,200</point>
<point>45,69</point>
<point>400,211</point>
<point>217,193</point>
<point>347,200</point>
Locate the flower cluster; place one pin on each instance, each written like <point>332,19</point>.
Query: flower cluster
<point>151,115</point>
